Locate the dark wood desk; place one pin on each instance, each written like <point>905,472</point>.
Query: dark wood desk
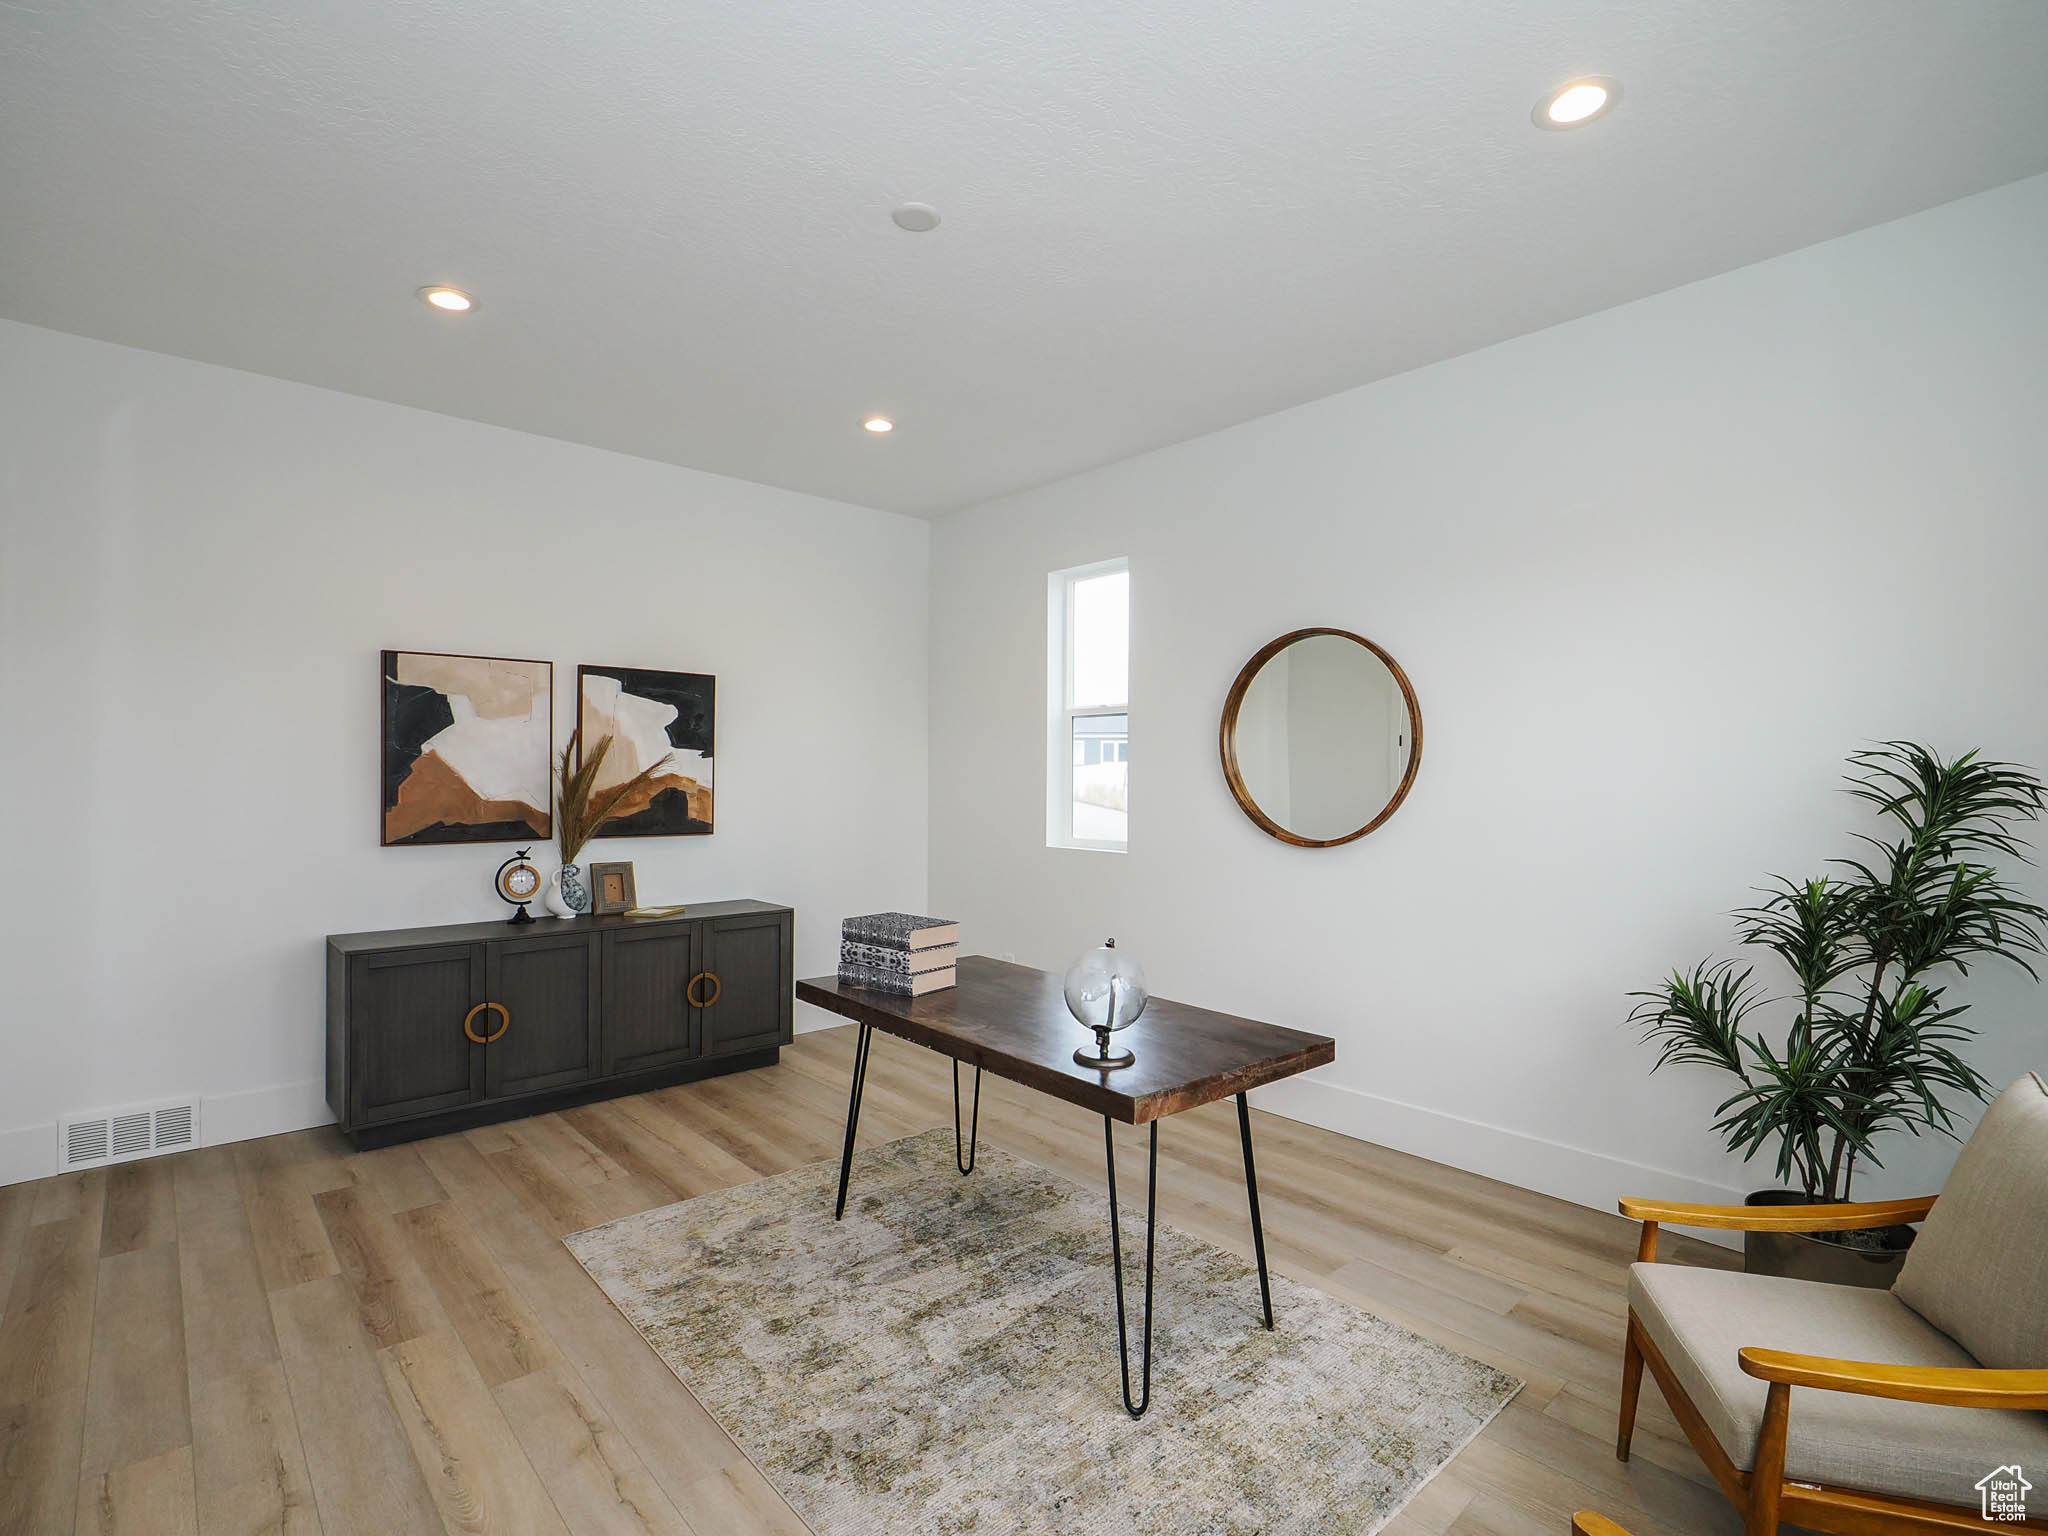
<point>1013,1021</point>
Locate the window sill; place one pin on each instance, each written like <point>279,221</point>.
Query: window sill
<point>1081,847</point>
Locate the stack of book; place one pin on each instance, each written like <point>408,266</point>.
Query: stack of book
<point>898,952</point>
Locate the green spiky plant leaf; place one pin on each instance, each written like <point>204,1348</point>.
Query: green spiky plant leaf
<point>1871,1049</point>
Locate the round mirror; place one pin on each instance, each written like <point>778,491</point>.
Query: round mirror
<point>1321,737</point>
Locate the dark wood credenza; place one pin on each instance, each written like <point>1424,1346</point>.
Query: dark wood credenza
<point>431,1030</point>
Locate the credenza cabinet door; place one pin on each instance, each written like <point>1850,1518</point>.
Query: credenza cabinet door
<point>438,1029</point>
<point>407,1009</point>
<point>752,977</point>
<point>649,1020</point>
<point>547,1036</point>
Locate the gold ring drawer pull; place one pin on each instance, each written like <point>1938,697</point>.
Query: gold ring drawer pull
<point>690,991</point>
<point>469,1021</point>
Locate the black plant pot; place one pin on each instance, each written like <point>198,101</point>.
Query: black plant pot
<point>1870,1258</point>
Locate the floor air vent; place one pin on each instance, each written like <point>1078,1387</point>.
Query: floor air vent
<point>121,1135</point>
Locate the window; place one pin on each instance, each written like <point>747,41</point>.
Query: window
<point>1088,743</point>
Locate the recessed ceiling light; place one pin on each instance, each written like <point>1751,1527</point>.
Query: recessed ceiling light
<point>1577,103</point>
<point>454,300</point>
<point>916,217</point>
<point>879,424</point>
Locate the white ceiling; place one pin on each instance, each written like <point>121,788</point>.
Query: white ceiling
<point>1161,216</point>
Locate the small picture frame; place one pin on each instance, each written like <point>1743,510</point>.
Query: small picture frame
<point>611,888</point>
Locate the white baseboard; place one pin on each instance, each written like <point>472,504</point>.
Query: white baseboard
<point>810,1018</point>
<point>29,1153</point>
<point>244,1116</point>
<point>1583,1177</point>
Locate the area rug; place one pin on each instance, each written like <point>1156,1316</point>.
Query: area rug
<point>943,1361</point>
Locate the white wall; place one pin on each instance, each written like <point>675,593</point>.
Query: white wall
<point>198,568</point>
<point>1653,573</point>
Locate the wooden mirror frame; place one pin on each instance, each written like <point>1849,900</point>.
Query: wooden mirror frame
<point>1226,739</point>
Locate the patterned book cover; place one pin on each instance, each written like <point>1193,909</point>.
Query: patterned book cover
<point>901,930</point>
<point>896,982</point>
<point>907,962</point>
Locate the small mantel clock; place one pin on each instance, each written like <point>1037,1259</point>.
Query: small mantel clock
<point>518,882</point>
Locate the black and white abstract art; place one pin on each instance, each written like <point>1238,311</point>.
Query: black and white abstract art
<point>466,747</point>
<point>651,716</point>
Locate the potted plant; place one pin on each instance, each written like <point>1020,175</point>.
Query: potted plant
<point>1873,1045</point>
<point>580,809</point>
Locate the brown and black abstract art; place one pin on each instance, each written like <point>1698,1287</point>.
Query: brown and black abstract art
<point>468,747</point>
<point>651,715</point>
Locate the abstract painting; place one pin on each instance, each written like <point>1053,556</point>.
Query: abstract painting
<point>649,716</point>
<point>467,748</point>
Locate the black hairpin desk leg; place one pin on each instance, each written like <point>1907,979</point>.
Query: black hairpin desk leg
<point>1116,1246</point>
<point>963,1159</point>
<point>860,1073</point>
<point>1251,1186</point>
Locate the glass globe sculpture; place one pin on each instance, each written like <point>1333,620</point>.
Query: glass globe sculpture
<point>1106,992</point>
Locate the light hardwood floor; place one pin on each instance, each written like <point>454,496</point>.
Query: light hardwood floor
<point>285,1336</point>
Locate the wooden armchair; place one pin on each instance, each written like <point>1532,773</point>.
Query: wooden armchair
<point>1911,1399</point>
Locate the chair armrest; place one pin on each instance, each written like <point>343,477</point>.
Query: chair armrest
<point>1782,1218</point>
<point>1587,1523</point>
<point>1769,1218</point>
<point>1949,1386</point>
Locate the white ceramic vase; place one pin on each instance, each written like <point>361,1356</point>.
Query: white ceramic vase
<point>566,895</point>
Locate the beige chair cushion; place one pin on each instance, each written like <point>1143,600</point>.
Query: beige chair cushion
<point>1700,1318</point>
<point>1979,1269</point>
